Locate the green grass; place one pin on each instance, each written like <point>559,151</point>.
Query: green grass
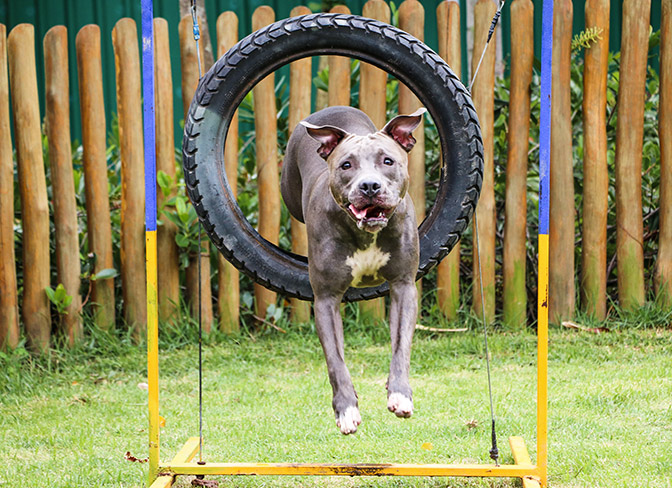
<point>67,420</point>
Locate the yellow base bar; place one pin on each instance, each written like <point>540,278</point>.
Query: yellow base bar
<point>522,469</point>
<point>185,455</point>
<point>520,456</point>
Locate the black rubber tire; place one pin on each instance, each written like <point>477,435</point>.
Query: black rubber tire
<point>225,85</point>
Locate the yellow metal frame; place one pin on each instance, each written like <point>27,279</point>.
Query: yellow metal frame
<point>162,475</point>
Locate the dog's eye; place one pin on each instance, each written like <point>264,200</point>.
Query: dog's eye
<point>346,165</point>
<point>388,162</point>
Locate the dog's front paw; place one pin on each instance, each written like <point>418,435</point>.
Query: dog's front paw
<point>348,420</point>
<point>400,405</point>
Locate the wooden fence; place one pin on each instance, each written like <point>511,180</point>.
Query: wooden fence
<point>18,59</point>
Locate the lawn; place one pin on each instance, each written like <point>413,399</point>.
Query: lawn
<point>69,420</point>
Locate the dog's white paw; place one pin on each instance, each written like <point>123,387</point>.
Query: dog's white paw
<point>400,405</point>
<point>349,420</point>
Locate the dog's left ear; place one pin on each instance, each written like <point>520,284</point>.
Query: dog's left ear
<point>401,128</point>
<point>326,135</point>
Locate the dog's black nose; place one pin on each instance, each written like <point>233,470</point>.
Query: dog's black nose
<point>370,188</point>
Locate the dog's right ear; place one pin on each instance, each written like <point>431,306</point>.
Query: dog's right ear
<point>326,135</point>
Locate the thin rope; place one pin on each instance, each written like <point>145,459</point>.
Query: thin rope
<point>197,36</point>
<point>494,452</point>
<point>491,31</point>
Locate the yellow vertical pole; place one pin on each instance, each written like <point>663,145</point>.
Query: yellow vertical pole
<point>542,359</point>
<point>152,354</point>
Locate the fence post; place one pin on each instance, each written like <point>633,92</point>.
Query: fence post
<point>483,97</point>
<point>169,271</point>
<point>412,20</point>
<point>339,72</point>
<point>266,126</point>
<point>595,175</point>
<point>448,271</point>
<point>57,108</point>
<point>515,223</point>
<point>189,62</point>
<point>300,83</point>
<point>372,101</point>
<point>629,142</point>
<point>561,235</point>
<point>99,227</point>
<point>663,272</point>
<point>129,107</point>
<point>9,304</point>
<point>32,184</point>
<point>229,283</point>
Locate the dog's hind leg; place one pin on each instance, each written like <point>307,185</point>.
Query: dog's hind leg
<point>330,331</point>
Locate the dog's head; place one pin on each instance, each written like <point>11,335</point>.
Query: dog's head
<point>368,175</point>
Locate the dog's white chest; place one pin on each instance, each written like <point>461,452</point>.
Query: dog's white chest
<point>365,264</point>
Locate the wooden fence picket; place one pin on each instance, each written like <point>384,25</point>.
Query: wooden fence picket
<point>412,20</point>
<point>229,278</point>
<point>450,49</point>
<point>629,142</point>
<point>99,226</point>
<point>515,223</point>
<point>169,271</point>
<point>266,126</point>
<point>9,302</point>
<point>129,109</point>
<point>593,286</point>
<point>561,236</point>
<point>663,272</point>
<point>372,101</point>
<point>57,109</point>
<point>35,309</point>
<point>339,71</point>
<point>300,83</point>
<point>484,101</point>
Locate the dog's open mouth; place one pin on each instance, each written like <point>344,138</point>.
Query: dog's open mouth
<point>370,215</point>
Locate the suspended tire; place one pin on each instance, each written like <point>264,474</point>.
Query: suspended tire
<point>225,85</point>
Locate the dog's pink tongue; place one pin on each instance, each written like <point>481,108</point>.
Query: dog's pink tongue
<point>360,214</point>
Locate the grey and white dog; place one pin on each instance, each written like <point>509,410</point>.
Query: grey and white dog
<point>348,182</point>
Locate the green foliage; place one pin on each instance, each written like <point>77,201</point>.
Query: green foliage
<point>586,38</point>
<point>60,298</point>
<point>182,214</point>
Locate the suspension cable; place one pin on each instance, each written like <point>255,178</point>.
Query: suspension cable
<point>197,37</point>
<point>494,452</point>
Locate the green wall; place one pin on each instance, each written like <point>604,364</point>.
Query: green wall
<point>76,13</point>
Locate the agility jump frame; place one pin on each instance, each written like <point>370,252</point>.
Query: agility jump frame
<point>162,475</point>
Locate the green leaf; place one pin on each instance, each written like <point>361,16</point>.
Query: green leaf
<point>105,274</point>
<point>320,84</point>
<point>247,299</point>
<point>60,293</point>
<point>51,294</point>
<point>181,207</point>
<point>165,182</point>
<point>172,217</point>
<point>182,240</point>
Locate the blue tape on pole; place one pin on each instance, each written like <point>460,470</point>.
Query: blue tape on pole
<point>149,119</point>
<point>545,115</point>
